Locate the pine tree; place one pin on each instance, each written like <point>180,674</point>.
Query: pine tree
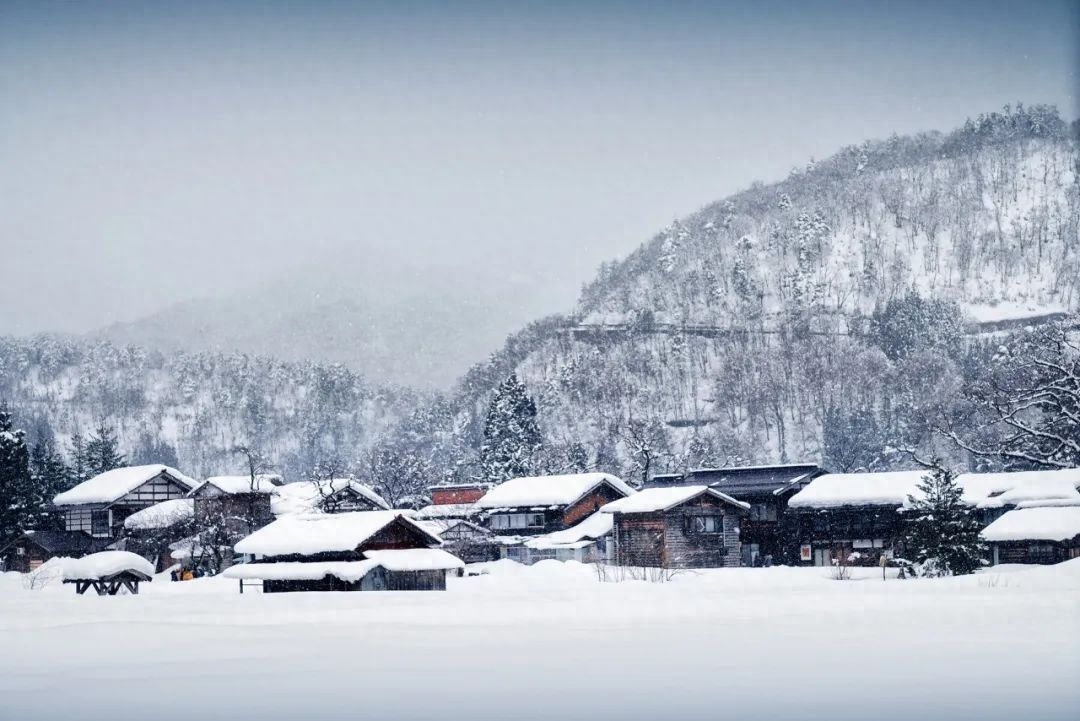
<point>511,434</point>
<point>16,492</point>
<point>942,532</point>
<point>102,453</point>
<point>50,476</point>
<point>79,471</point>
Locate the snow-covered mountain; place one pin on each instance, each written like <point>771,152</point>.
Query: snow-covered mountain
<point>741,333</point>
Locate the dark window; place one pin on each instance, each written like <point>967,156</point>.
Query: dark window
<point>99,523</point>
<point>706,524</point>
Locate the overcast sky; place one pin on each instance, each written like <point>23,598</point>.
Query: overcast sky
<point>151,153</point>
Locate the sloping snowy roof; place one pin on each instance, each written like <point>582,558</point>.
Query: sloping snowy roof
<point>161,515</point>
<point>106,563</point>
<point>595,526</point>
<point>264,483</point>
<point>651,500</point>
<point>1035,524</point>
<point>541,491</point>
<point>447,510</point>
<point>415,559</point>
<point>980,487</point>
<point>306,496</point>
<point>117,483</point>
<point>833,490</point>
<point>322,532</point>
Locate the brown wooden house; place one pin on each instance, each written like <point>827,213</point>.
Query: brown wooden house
<point>678,527</point>
<point>764,532</point>
<point>100,505</point>
<point>358,551</point>
<point>240,502</point>
<point>522,508</point>
<point>30,549</point>
<point>1041,534</point>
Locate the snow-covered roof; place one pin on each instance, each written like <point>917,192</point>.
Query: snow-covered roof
<point>1035,524</point>
<point>106,563</point>
<point>979,487</point>
<point>306,496</point>
<point>115,484</point>
<point>651,500</point>
<point>545,491</point>
<point>263,483</point>
<point>1035,487</point>
<point>832,490</point>
<point>446,510</point>
<point>322,532</point>
<point>161,515</point>
<point>415,559</point>
<point>595,526</point>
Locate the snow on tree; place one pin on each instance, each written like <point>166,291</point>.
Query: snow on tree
<point>511,435</point>
<point>1025,408</point>
<point>102,452</point>
<point>50,476</point>
<point>941,535</point>
<point>17,497</point>
<point>913,323</point>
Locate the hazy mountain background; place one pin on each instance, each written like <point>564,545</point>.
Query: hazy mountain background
<point>742,333</point>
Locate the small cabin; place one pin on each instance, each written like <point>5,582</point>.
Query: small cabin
<point>242,502</point>
<point>31,549</point>
<point>1042,535</point>
<point>357,551</point>
<point>678,527</point>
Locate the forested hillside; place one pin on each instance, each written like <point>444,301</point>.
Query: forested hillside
<point>828,317</point>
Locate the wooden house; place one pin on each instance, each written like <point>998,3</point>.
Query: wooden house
<point>30,549</point>
<point>590,541</point>
<point>100,505</point>
<point>469,541</point>
<point>522,508</point>
<point>356,551</point>
<point>678,527</point>
<point>1039,534</point>
<point>767,489</point>
<point>242,503</point>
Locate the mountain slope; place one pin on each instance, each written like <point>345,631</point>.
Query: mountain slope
<point>740,333</point>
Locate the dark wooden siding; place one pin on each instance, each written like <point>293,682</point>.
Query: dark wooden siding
<point>588,505</point>
<point>684,548</point>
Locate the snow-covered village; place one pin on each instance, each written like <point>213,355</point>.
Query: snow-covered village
<point>586,361</point>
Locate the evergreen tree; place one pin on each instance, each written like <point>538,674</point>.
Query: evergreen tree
<point>50,476</point>
<point>16,492</point>
<point>79,464</point>
<point>511,434</point>
<point>942,532</point>
<point>102,452</point>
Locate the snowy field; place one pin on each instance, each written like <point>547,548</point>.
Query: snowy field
<point>552,642</point>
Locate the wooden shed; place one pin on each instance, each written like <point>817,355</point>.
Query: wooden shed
<point>678,527</point>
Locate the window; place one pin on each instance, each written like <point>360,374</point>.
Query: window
<point>762,512</point>
<point>99,523</point>
<point>517,520</point>
<point>706,524</point>
<point>77,519</point>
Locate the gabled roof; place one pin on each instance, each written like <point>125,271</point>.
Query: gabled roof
<point>548,491</point>
<point>1035,524</point>
<point>66,543</point>
<point>308,496</point>
<point>235,485</point>
<point>747,480</point>
<point>113,485</point>
<point>307,534</point>
<point>161,515</point>
<point>834,490</point>
<point>653,500</point>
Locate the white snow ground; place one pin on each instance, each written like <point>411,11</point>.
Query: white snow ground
<point>552,642</point>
